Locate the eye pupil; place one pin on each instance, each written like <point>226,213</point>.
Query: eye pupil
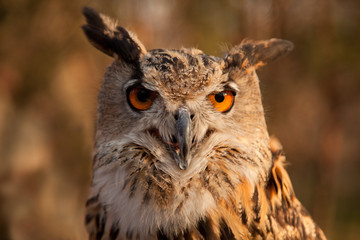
<point>143,95</point>
<point>219,97</point>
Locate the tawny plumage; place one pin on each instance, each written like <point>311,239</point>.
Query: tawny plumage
<point>182,149</point>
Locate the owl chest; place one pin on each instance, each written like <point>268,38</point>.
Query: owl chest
<point>145,203</point>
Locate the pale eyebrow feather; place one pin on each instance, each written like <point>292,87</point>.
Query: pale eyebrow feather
<point>131,83</point>
<point>233,86</point>
<point>227,85</point>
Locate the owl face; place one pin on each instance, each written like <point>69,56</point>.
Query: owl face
<point>180,98</point>
<point>179,105</point>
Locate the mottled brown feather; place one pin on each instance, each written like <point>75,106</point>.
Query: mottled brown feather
<point>234,186</point>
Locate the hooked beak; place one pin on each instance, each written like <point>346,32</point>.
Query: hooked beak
<point>183,137</point>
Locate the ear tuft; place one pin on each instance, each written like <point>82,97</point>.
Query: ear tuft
<point>115,41</point>
<point>257,53</point>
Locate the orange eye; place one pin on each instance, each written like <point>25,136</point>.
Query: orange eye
<point>140,98</point>
<point>222,101</point>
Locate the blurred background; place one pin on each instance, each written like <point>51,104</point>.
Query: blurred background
<point>50,76</point>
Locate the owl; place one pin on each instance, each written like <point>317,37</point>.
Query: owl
<point>182,149</point>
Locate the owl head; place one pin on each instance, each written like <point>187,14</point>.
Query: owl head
<point>180,106</point>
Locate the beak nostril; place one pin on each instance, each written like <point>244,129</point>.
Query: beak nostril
<point>176,116</point>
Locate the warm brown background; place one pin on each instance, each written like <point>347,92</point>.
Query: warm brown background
<point>50,75</point>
